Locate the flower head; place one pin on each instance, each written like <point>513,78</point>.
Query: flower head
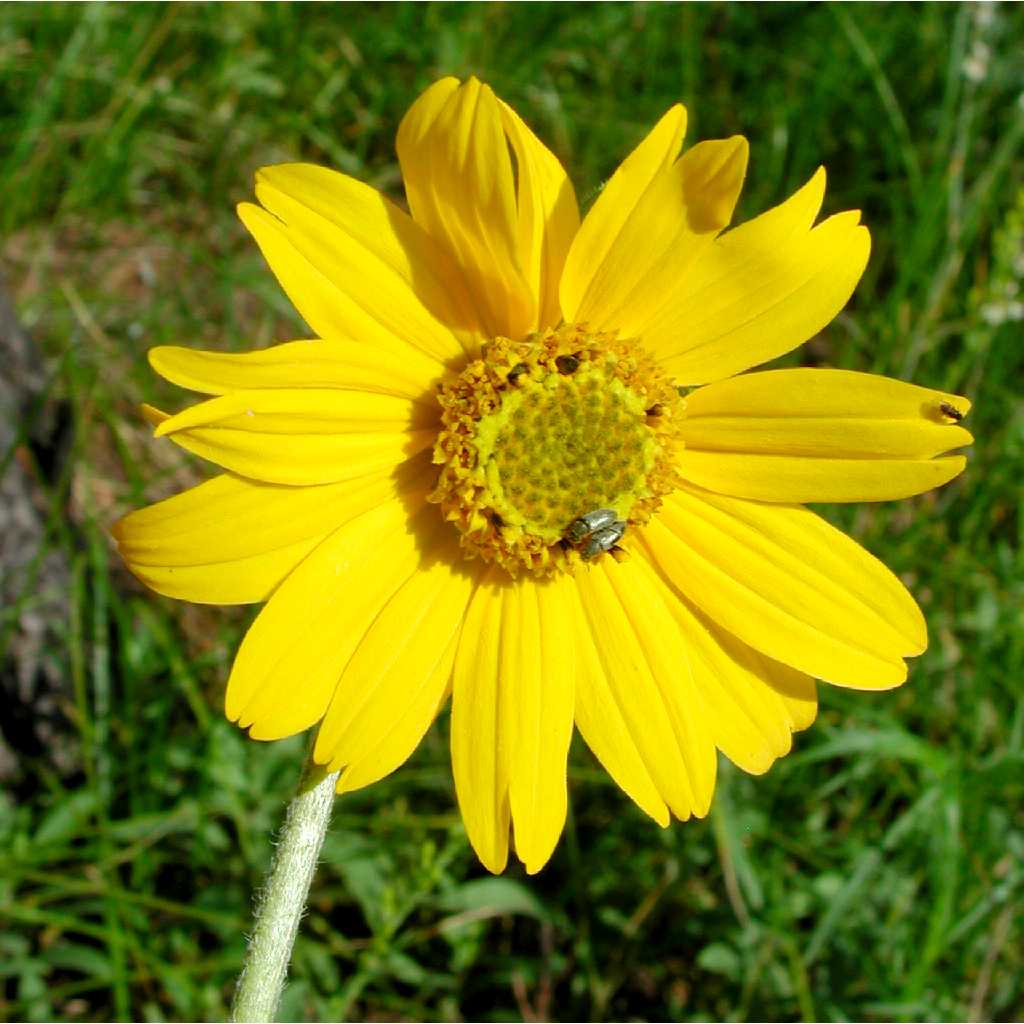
<point>520,465</point>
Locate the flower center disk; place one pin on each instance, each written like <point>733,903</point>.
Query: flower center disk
<point>540,433</point>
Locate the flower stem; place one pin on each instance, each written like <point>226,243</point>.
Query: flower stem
<point>284,898</point>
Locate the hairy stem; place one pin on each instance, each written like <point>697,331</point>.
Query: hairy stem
<point>284,898</point>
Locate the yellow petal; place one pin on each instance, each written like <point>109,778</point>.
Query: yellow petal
<point>798,479</point>
<point>805,392</point>
<point>788,584</point>
<point>244,580</point>
<point>479,728</point>
<point>339,295</point>
<point>760,290</point>
<point>383,264</point>
<point>303,436</point>
<point>407,727</point>
<point>712,177</point>
<point>387,237</point>
<point>672,224</point>
<point>460,187</point>
<point>647,600</point>
<point>512,707</point>
<point>801,701</point>
<point>614,736</point>
<point>646,666</point>
<point>391,689</point>
<point>615,205</point>
<point>299,364</point>
<point>300,411</point>
<point>291,659</point>
<point>547,216</point>
<point>820,435</point>
<point>153,416</point>
<point>232,541</point>
<point>538,667</point>
<point>752,704</point>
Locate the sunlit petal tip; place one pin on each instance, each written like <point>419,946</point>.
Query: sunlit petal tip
<point>278,175</point>
<point>252,216</point>
<point>163,358</point>
<point>535,855</point>
<point>804,205</point>
<point>153,416</point>
<point>158,355</point>
<point>856,233</point>
<point>917,634</point>
<point>701,812</point>
<point>494,860</point>
<point>234,705</point>
<point>672,124</point>
<point>957,463</point>
<point>742,144</point>
<point>889,681</point>
<point>815,186</point>
<point>424,109</point>
<point>269,729</point>
<point>164,426</point>
<point>534,864</point>
<point>715,173</point>
<point>760,763</point>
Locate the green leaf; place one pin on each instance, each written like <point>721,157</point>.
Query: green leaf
<point>64,820</point>
<point>493,897</point>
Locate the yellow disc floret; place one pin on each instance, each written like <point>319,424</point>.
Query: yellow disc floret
<point>538,433</point>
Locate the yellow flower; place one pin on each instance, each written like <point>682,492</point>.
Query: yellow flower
<point>486,476</point>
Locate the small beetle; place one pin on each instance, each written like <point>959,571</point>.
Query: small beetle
<point>951,411</point>
<point>595,532</point>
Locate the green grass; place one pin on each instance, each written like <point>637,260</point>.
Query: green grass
<point>876,873</point>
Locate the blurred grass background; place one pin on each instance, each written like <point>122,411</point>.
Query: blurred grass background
<point>876,873</point>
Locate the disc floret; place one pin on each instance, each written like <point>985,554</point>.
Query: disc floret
<point>539,433</point>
